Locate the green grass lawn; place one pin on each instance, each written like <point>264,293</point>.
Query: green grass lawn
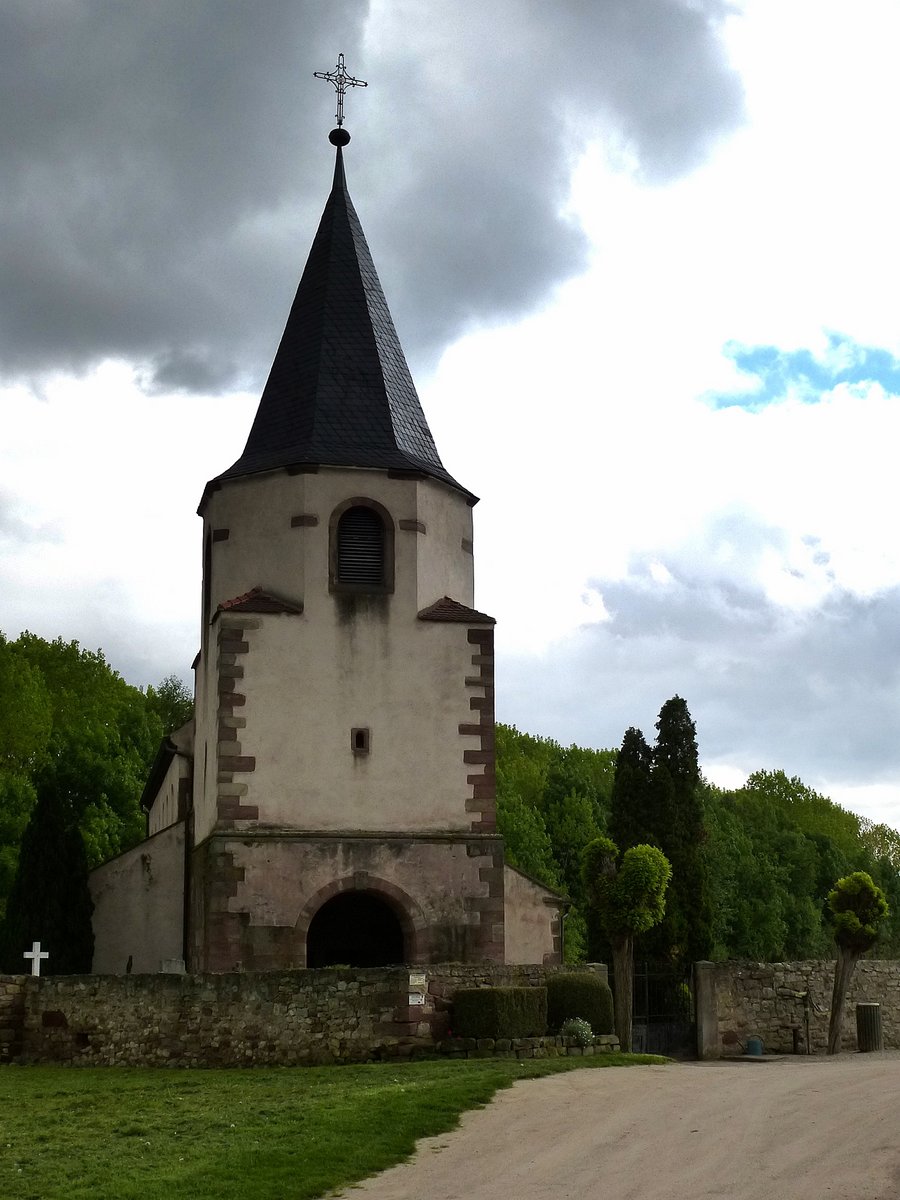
<point>119,1133</point>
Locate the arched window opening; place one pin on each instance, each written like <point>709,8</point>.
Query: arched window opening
<point>360,548</point>
<point>355,929</point>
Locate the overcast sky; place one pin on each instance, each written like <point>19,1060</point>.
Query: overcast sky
<point>647,247</point>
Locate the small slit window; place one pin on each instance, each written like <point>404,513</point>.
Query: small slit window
<point>360,548</point>
<point>359,741</point>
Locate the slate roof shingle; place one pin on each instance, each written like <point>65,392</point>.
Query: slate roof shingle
<point>340,392</point>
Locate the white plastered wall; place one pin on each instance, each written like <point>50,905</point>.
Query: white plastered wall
<point>139,906</point>
<point>345,662</point>
<point>528,928</point>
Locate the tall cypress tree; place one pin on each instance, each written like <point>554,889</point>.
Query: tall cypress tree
<point>685,933</point>
<point>50,901</point>
<point>632,820</point>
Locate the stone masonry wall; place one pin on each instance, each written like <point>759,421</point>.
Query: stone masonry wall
<point>12,1015</point>
<point>772,1000</point>
<point>274,1018</point>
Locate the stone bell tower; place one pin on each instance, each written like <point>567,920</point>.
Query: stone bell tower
<point>343,797</point>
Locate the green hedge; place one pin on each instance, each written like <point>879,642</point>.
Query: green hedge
<point>500,1012</point>
<point>579,995</point>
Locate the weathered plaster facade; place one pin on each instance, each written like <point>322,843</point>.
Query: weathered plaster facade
<point>340,662</point>
<point>139,905</point>
<point>534,916</point>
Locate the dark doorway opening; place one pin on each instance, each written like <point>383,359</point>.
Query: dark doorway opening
<point>355,929</point>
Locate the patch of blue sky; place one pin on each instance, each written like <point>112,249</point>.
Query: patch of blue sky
<point>774,375</point>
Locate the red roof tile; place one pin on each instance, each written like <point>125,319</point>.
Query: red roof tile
<point>446,609</point>
<point>258,601</point>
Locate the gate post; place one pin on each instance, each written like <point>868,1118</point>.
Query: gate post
<point>706,1010</point>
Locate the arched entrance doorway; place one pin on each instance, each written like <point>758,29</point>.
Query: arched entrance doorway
<point>356,929</point>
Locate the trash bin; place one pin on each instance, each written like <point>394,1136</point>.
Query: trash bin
<point>868,1027</point>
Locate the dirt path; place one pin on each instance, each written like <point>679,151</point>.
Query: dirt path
<point>795,1129</point>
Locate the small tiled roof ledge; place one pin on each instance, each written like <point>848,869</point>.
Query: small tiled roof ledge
<point>447,609</point>
<point>258,601</point>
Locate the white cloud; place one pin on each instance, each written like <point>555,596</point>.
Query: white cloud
<point>633,539</point>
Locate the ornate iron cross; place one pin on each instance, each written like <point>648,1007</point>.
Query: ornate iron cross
<point>341,81</point>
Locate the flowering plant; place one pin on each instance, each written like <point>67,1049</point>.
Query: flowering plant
<point>578,1030</point>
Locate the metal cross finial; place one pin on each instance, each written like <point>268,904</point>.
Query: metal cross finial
<point>341,81</point>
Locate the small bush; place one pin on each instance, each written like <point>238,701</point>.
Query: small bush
<point>579,995</point>
<point>500,1012</point>
<point>577,1029</point>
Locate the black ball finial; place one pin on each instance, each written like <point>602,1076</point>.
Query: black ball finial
<point>339,137</point>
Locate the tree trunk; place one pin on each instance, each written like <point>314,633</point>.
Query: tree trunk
<point>843,972</point>
<point>623,975</point>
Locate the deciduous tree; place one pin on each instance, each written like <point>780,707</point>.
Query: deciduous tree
<point>627,897</point>
<point>857,907</point>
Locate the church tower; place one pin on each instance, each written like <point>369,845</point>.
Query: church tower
<point>333,800</point>
<point>343,795</point>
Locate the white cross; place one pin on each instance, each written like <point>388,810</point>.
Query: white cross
<point>36,954</point>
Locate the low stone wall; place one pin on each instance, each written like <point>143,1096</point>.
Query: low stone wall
<point>12,1016</point>
<point>788,1005</point>
<point>285,1018</point>
<point>539,1047</point>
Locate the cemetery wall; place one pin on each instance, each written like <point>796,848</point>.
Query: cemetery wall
<point>283,1018</point>
<point>738,1000</point>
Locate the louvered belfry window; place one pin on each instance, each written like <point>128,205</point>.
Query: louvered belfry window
<point>360,548</point>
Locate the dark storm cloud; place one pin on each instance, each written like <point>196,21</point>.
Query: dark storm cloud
<point>814,693</point>
<point>164,164</point>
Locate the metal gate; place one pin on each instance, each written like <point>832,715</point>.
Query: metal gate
<point>663,1014</point>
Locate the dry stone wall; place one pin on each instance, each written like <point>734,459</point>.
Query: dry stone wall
<point>278,1018</point>
<point>788,1005</point>
<point>12,1015</point>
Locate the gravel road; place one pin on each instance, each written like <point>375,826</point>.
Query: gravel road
<point>791,1129</point>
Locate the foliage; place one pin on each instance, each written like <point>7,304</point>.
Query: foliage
<point>171,702</point>
<point>685,934</point>
<point>767,853</point>
<point>631,819</point>
<point>858,906</point>
<point>49,900</point>
<point>63,709</point>
<point>575,936</point>
<point>525,838</point>
<point>500,1012</point>
<point>629,898</point>
<point>100,1134</point>
<point>579,994</point>
<point>578,1030</point>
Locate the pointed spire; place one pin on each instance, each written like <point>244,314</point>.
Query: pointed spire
<point>340,392</point>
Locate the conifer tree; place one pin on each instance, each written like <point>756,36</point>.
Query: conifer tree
<point>50,901</point>
<point>631,818</point>
<point>685,933</point>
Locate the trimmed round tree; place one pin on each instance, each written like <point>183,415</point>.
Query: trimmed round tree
<point>626,897</point>
<point>857,908</point>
